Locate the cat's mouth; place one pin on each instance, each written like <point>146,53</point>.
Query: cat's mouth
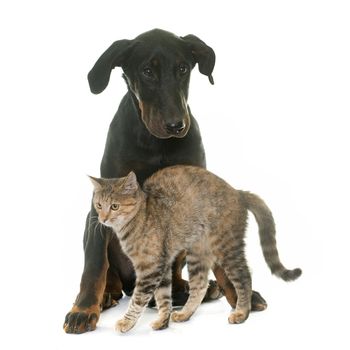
<point>108,223</point>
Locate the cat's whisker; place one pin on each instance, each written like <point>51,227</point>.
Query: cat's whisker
<point>92,220</point>
<point>96,226</point>
<point>101,232</point>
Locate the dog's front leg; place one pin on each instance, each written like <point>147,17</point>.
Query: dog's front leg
<point>86,310</point>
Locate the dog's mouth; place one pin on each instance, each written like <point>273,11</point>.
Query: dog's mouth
<point>164,133</point>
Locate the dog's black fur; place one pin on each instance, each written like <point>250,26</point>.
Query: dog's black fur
<point>153,128</point>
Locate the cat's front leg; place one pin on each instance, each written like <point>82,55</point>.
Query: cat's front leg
<point>143,293</point>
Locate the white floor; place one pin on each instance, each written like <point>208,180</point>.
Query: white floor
<point>294,319</point>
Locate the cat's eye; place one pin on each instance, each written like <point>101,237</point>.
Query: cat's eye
<point>115,206</point>
<point>98,206</point>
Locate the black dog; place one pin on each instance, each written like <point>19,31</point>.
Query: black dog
<point>153,128</point>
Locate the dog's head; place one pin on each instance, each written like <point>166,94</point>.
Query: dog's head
<point>157,66</point>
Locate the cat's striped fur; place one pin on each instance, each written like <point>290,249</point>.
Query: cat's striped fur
<point>184,208</point>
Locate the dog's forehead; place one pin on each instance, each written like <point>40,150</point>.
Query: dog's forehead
<point>157,36</point>
<point>159,45</point>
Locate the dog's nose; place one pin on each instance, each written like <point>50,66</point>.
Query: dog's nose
<point>175,128</point>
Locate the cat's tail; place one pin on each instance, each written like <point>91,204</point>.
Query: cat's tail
<point>267,233</point>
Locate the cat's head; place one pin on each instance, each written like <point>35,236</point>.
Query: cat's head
<point>116,200</point>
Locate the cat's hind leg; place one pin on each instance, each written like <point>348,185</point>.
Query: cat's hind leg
<point>198,267</point>
<point>237,271</point>
<point>162,297</point>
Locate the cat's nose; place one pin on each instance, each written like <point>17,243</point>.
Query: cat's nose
<point>103,219</point>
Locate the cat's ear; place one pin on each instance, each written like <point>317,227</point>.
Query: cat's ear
<point>130,184</point>
<point>97,183</point>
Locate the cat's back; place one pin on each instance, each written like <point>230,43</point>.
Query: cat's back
<point>186,181</point>
<point>189,198</point>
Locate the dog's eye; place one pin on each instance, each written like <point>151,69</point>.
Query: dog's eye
<point>148,72</point>
<point>183,69</point>
<point>115,206</point>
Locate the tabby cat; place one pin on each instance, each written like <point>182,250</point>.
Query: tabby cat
<point>184,208</point>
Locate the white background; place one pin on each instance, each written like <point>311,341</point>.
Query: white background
<point>275,123</point>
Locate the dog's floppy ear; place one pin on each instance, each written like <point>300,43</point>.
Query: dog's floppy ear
<point>114,56</point>
<point>203,54</point>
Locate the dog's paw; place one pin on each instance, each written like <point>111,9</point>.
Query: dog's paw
<point>124,325</point>
<point>213,292</point>
<point>79,321</point>
<point>258,302</point>
<point>110,300</point>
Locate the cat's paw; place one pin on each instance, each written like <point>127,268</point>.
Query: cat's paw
<point>160,324</point>
<point>124,325</point>
<point>179,316</point>
<point>238,317</point>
